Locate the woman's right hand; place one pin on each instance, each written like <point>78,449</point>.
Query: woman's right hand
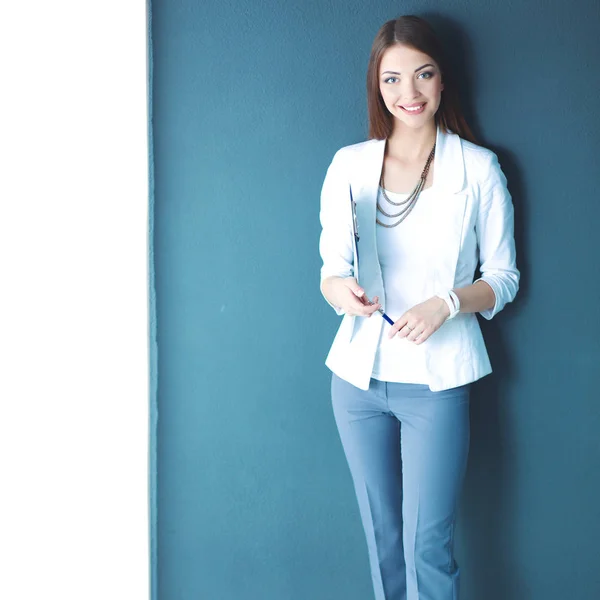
<point>345,293</point>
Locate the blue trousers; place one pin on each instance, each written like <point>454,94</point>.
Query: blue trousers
<point>407,449</point>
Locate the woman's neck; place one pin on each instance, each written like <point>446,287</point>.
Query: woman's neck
<point>407,144</point>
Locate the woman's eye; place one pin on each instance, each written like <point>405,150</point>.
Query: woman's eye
<point>429,74</point>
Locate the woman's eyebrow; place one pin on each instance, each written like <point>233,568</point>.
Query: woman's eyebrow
<point>396,72</point>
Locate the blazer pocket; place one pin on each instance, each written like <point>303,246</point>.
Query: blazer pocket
<point>446,239</point>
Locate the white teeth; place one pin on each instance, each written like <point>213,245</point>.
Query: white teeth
<point>415,108</point>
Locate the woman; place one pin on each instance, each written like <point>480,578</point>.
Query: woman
<point>406,217</point>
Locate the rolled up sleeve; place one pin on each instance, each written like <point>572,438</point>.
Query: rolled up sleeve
<point>495,238</point>
<point>335,243</point>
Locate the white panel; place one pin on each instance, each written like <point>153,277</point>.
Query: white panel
<point>73,301</point>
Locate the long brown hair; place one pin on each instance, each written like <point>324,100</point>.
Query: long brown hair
<point>417,33</point>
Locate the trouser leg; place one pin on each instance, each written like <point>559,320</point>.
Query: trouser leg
<point>370,437</point>
<point>435,444</point>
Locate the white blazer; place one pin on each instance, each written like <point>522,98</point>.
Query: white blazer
<point>473,221</point>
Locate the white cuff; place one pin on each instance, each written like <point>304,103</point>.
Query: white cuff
<point>452,301</point>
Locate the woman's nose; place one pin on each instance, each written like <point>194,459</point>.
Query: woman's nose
<point>409,90</point>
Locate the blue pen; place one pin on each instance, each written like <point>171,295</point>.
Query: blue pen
<point>380,311</point>
<point>356,238</point>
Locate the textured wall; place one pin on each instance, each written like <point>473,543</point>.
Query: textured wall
<point>250,101</point>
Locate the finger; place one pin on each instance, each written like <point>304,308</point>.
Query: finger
<point>397,326</point>
<point>429,331</point>
<point>422,338</point>
<point>411,327</point>
<point>365,300</point>
<point>357,291</point>
<point>374,304</point>
<point>370,309</point>
<point>371,304</point>
<point>415,333</point>
<point>352,284</point>
<point>405,331</point>
<point>357,308</point>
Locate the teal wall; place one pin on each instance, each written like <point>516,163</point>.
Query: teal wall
<point>250,101</point>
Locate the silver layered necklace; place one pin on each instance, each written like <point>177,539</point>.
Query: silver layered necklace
<point>409,202</point>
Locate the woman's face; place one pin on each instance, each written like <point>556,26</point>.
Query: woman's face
<point>409,78</point>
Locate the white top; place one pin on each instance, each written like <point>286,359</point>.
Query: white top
<point>402,254</point>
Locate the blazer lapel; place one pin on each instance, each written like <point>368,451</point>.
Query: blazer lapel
<point>449,168</point>
<point>447,221</point>
<point>448,181</point>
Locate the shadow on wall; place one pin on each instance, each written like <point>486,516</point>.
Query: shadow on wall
<point>489,500</point>
<point>488,504</point>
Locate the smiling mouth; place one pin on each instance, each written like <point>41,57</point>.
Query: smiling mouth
<point>415,110</point>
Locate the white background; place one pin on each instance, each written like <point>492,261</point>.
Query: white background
<point>73,301</point>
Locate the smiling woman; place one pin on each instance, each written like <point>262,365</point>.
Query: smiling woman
<point>410,52</point>
<point>421,88</point>
<point>400,392</point>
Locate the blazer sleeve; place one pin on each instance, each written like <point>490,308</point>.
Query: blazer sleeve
<point>335,243</point>
<point>495,238</point>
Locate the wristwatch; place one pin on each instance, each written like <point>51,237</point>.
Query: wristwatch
<point>451,299</point>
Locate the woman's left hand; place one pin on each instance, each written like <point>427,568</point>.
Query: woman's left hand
<point>421,321</point>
